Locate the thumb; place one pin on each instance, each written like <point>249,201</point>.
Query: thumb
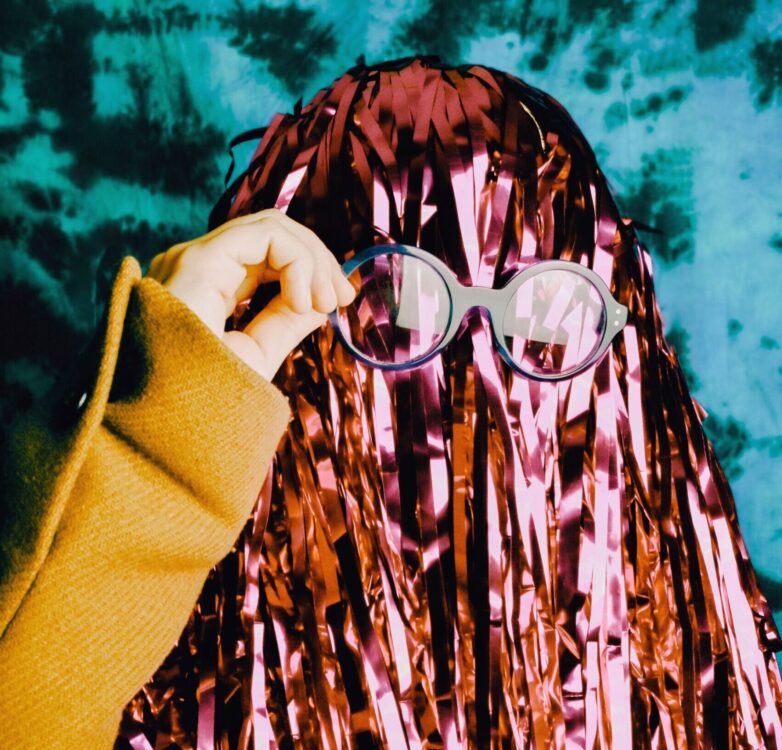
<point>277,330</point>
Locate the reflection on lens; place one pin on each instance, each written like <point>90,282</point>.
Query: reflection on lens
<point>401,310</point>
<point>554,322</point>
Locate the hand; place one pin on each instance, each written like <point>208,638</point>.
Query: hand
<point>213,273</point>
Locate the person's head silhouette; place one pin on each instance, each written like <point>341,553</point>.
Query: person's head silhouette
<point>456,554</point>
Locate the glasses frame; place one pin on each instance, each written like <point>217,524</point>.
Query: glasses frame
<point>464,299</point>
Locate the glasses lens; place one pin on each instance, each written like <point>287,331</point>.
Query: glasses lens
<point>401,309</point>
<point>554,322</point>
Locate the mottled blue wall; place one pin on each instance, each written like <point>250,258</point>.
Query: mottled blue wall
<point>114,118</point>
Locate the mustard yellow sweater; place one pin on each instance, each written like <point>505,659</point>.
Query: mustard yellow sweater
<point>115,511</point>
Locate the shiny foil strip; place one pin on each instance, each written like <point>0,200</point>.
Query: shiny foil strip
<point>455,556</point>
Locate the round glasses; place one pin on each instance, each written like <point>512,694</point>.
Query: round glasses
<point>551,321</point>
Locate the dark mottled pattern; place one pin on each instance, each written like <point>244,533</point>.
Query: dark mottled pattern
<point>662,195</point>
<point>265,34</point>
<point>114,120</point>
<point>719,22</point>
<point>767,58</point>
<point>679,339</point>
<point>730,439</point>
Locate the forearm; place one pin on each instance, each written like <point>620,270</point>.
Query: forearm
<point>165,476</point>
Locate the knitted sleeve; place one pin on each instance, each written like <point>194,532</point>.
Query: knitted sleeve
<point>114,519</point>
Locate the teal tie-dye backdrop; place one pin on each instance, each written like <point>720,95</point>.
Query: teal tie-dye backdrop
<point>115,116</point>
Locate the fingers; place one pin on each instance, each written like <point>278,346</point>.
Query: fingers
<point>271,245</point>
<point>267,248</point>
<point>232,260</point>
<point>336,279</point>
<point>256,275</point>
<point>326,285</point>
<point>346,292</point>
<point>296,268</point>
<point>277,330</point>
<point>324,298</point>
